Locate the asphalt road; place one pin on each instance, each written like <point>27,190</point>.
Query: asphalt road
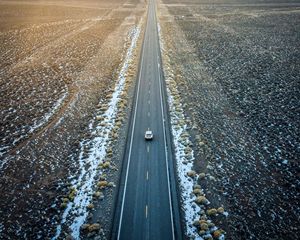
<point>147,205</point>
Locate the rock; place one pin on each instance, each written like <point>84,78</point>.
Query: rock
<point>212,178</point>
<point>99,118</point>
<point>111,184</point>
<point>90,216</point>
<point>69,237</point>
<point>202,213</point>
<point>207,237</point>
<point>103,177</point>
<point>196,223</point>
<point>97,238</point>
<point>91,234</point>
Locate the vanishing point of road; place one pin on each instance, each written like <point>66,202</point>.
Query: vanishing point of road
<point>147,205</point>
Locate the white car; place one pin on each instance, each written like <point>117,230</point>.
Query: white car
<point>148,135</point>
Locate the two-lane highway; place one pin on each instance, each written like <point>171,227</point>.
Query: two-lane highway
<point>147,203</point>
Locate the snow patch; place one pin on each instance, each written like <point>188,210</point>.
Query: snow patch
<point>184,154</point>
<point>36,125</point>
<point>46,117</point>
<point>76,212</point>
<point>184,161</point>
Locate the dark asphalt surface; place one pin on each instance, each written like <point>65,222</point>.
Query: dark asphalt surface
<point>147,205</point>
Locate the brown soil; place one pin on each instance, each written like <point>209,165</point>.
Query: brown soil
<point>50,49</point>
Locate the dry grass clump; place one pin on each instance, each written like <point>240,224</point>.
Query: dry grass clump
<point>207,229</point>
<point>72,194</point>
<point>90,206</point>
<point>201,200</point>
<point>88,228</point>
<point>204,226</point>
<point>105,164</point>
<point>220,210</point>
<point>197,191</point>
<point>102,184</point>
<point>94,227</point>
<point>212,212</point>
<point>202,175</point>
<point>218,233</point>
<point>63,205</point>
<point>192,174</point>
<point>98,194</point>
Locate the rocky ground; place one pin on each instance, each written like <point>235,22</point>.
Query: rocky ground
<point>236,68</point>
<point>59,61</point>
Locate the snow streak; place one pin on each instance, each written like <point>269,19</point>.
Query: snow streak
<point>184,158</point>
<point>76,212</point>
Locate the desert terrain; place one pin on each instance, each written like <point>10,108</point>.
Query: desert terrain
<point>235,67</point>
<point>68,73</point>
<point>60,62</point>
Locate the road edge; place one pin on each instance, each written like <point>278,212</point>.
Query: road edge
<point>175,190</point>
<point>121,179</point>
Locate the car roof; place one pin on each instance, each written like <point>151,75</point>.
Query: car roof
<point>148,132</point>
